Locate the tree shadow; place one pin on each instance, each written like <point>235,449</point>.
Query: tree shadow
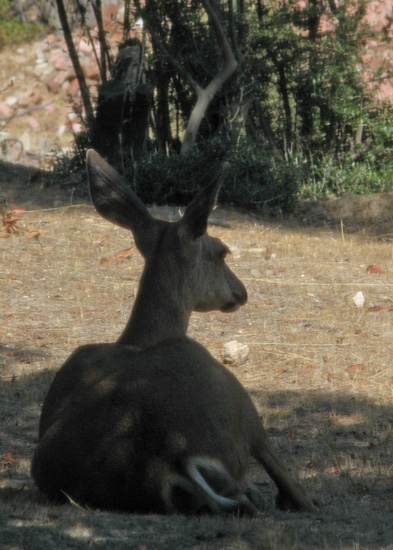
<point>41,188</point>
<point>340,443</point>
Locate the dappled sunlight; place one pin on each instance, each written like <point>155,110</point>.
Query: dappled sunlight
<point>319,367</point>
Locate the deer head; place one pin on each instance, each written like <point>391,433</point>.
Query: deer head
<point>185,268</point>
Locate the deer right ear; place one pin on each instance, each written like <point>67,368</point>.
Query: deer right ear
<point>197,212</point>
<point>115,201</point>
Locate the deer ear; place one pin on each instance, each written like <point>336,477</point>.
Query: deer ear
<point>115,201</point>
<point>197,212</point>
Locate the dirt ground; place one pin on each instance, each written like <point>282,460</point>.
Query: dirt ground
<point>319,368</point>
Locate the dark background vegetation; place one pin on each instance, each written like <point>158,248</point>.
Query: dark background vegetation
<point>285,97</point>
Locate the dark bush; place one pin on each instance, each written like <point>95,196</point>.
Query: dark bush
<point>255,180</point>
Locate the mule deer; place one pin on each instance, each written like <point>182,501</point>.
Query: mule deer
<point>153,423</point>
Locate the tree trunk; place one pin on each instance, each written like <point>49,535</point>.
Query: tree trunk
<point>205,96</point>
<point>90,119</point>
<point>123,109</point>
<point>163,122</point>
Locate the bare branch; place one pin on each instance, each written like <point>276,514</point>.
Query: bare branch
<point>126,23</point>
<point>76,64</point>
<point>82,13</point>
<point>164,51</point>
<point>229,58</point>
<point>26,111</point>
<point>232,30</point>
<point>206,95</point>
<point>97,8</point>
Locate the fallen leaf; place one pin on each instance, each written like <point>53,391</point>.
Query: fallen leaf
<point>375,269</point>
<point>16,211</point>
<point>355,368</point>
<point>372,309</point>
<point>10,225</point>
<point>102,237</point>
<point>282,371</point>
<point>118,257</point>
<point>291,435</point>
<point>35,234</point>
<point>124,253</point>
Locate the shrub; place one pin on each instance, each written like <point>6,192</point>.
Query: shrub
<point>13,30</point>
<point>255,180</point>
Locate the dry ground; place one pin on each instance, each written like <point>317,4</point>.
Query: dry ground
<point>319,369</point>
<point>320,372</point>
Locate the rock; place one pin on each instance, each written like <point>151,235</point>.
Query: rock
<point>91,71</point>
<point>235,352</point>
<point>359,299</point>
<point>25,140</point>
<point>11,100</point>
<point>73,88</point>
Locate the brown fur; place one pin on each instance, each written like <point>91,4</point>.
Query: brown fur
<point>153,423</point>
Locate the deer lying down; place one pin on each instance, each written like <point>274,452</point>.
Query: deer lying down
<point>153,423</point>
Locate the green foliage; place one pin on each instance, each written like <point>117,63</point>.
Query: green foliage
<point>256,180</point>
<point>12,30</point>
<point>295,120</point>
<point>312,94</point>
<point>363,167</point>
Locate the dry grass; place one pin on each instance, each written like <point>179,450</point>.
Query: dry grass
<point>319,370</point>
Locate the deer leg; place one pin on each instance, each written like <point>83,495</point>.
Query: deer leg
<point>291,495</point>
<point>256,497</point>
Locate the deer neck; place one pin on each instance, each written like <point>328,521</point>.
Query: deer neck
<point>159,312</point>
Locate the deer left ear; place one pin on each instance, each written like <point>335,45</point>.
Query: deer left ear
<point>194,220</point>
<point>115,201</point>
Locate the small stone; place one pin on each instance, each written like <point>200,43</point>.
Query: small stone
<point>11,100</point>
<point>25,140</point>
<point>359,299</point>
<point>235,352</point>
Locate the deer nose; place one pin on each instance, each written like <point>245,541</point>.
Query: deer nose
<point>239,292</point>
<point>239,298</point>
<point>243,296</point>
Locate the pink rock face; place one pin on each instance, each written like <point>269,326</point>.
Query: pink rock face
<point>378,53</point>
